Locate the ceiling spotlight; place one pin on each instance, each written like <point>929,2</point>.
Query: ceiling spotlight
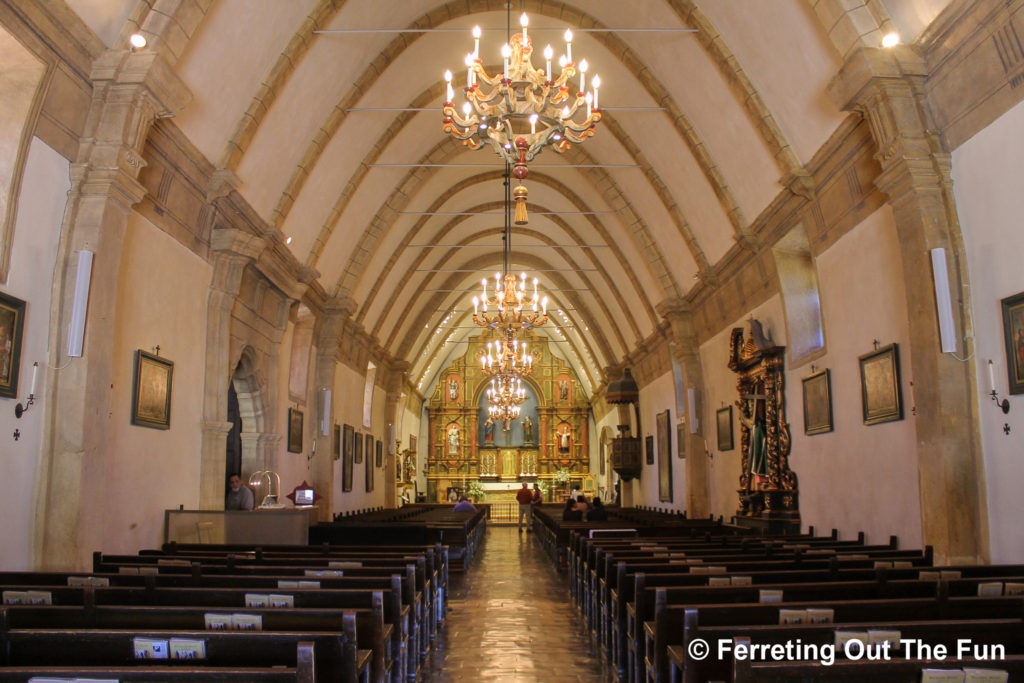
<point>137,40</point>
<point>287,240</point>
<point>891,39</point>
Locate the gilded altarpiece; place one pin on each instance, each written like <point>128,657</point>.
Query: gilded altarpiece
<point>465,446</point>
<point>768,491</point>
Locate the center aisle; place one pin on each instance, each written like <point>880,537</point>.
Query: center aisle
<point>510,619</point>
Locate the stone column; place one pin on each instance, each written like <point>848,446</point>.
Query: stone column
<point>336,313</point>
<point>687,351</point>
<point>887,88</point>
<point>130,91</point>
<point>394,382</point>
<point>231,250</point>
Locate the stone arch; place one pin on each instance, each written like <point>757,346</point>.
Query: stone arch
<point>253,405</point>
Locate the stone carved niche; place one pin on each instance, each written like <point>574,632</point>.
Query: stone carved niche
<point>768,491</point>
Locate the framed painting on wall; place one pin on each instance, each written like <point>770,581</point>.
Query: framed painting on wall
<point>1013,331</point>
<point>347,448</point>
<point>818,402</point>
<point>357,451</point>
<point>151,391</point>
<point>369,466</point>
<point>380,453</point>
<point>723,423</point>
<point>681,439</point>
<point>368,450</point>
<point>881,397</point>
<point>664,457</point>
<point>649,450</point>
<point>12,328</point>
<point>336,445</point>
<point>294,430</point>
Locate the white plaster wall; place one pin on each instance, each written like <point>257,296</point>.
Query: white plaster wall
<point>655,397</point>
<point>295,468</point>
<point>989,191</point>
<point>348,400</point>
<point>43,195</point>
<point>161,300</point>
<point>859,477</point>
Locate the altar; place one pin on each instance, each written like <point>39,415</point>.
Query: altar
<point>508,463</point>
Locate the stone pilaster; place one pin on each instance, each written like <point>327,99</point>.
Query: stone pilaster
<point>887,88</point>
<point>336,313</point>
<point>130,91</point>
<point>687,351</point>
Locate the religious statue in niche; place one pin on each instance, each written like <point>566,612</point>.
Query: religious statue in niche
<point>453,439</point>
<point>564,438</point>
<point>563,389</point>
<point>489,432</point>
<point>751,416</point>
<point>453,389</point>
<point>528,431</point>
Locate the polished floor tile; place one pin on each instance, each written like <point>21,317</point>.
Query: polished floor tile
<point>511,619</point>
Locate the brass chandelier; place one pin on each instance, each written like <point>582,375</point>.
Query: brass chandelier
<point>523,109</point>
<point>506,357</point>
<point>505,397</point>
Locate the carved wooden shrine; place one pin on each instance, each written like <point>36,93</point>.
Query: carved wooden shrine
<point>768,491</point>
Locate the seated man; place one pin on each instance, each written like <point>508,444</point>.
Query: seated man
<point>571,513</point>
<point>464,506</point>
<point>238,497</point>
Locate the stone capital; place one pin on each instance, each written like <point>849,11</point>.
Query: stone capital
<point>232,241</point>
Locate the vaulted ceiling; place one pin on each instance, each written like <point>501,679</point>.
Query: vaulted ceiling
<point>329,114</point>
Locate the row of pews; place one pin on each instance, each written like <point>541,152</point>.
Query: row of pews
<point>341,613</point>
<point>698,601</point>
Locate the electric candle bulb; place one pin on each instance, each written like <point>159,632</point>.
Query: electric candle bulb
<point>469,70</point>
<point>476,305</point>
<point>596,80</point>
<point>448,80</point>
<point>506,52</point>
<point>476,42</point>
<point>533,124</point>
<point>583,75</point>
<point>565,112</point>
<point>548,54</point>
<point>588,98</point>
<point>568,45</point>
<point>562,61</point>
<point>524,21</point>
<point>35,373</point>
<point>992,376</point>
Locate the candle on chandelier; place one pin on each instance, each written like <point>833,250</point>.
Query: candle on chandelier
<point>506,52</point>
<point>589,99</point>
<point>544,305</point>
<point>568,45</point>
<point>548,54</point>
<point>448,80</point>
<point>476,42</point>
<point>476,305</point>
<point>533,124</point>
<point>524,21</point>
<point>596,81</point>
<point>583,75</point>
<point>469,71</point>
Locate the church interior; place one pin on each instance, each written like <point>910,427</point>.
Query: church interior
<point>751,263</point>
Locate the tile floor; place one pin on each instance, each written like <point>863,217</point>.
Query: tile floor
<point>510,619</point>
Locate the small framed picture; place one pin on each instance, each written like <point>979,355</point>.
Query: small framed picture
<point>336,445</point>
<point>294,430</point>
<point>1013,331</point>
<point>681,439</point>
<point>151,391</point>
<point>817,403</point>
<point>12,328</point>
<point>368,449</point>
<point>369,466</point>
<point>723,422</point>
<point>881,396</point>
<point>347,448</point>
<point>649,450</point>
<point>380,453</point>
<point>357,451</point>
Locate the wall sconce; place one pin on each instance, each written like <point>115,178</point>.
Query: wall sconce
<point>1005,403</point>
<point>19,409</point>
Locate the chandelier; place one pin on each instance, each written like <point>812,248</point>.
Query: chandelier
<point>505,396</point>
<point>523,109</point>
<point>511,306</point>
<point>506,356</point>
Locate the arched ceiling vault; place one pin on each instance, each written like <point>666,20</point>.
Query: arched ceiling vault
<point>336,142</point>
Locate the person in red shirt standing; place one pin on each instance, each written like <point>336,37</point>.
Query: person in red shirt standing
<point>524,497</point>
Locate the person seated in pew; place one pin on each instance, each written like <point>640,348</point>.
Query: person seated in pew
<point>597,513</point>
<point>464,505</point>
<point>571,513</point>
<point>581,503</point>
<point>239,496</point>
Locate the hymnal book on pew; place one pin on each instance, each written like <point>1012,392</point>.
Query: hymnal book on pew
<point>80,581</point>
<point>1013,588</point>
<point>902,564</point>
<point>820,615</point>
<point>883,564</point>
<point>990,589</point>
<point>217,622</point>
<point>842,637</point>
<point>972,675</point>
<point>256,600</point>
<point>742,581</point>
<point>323,573</point>
<point>288,584</point>
<point>718,581</point>
<point>949,574</point>
<point>928,576</point>
<point>879,635</point>
<point>149,648</point>
<point>792,616</point>
<point>942,676</point>
<point>27,598</point>
<point>186,648</point>
<point>247,622</point>
<point>348,564</point>
<point>770,595</point>
<point>281,600</point>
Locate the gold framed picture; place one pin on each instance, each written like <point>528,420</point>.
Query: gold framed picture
<point>723,423</point>
<point>881,396</point>
<point>664,435</point>
<point>151,391</point>
<point>817,402</point>
<point>1013,332</point>
<point>294,430</point>
<point>12,328</point>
